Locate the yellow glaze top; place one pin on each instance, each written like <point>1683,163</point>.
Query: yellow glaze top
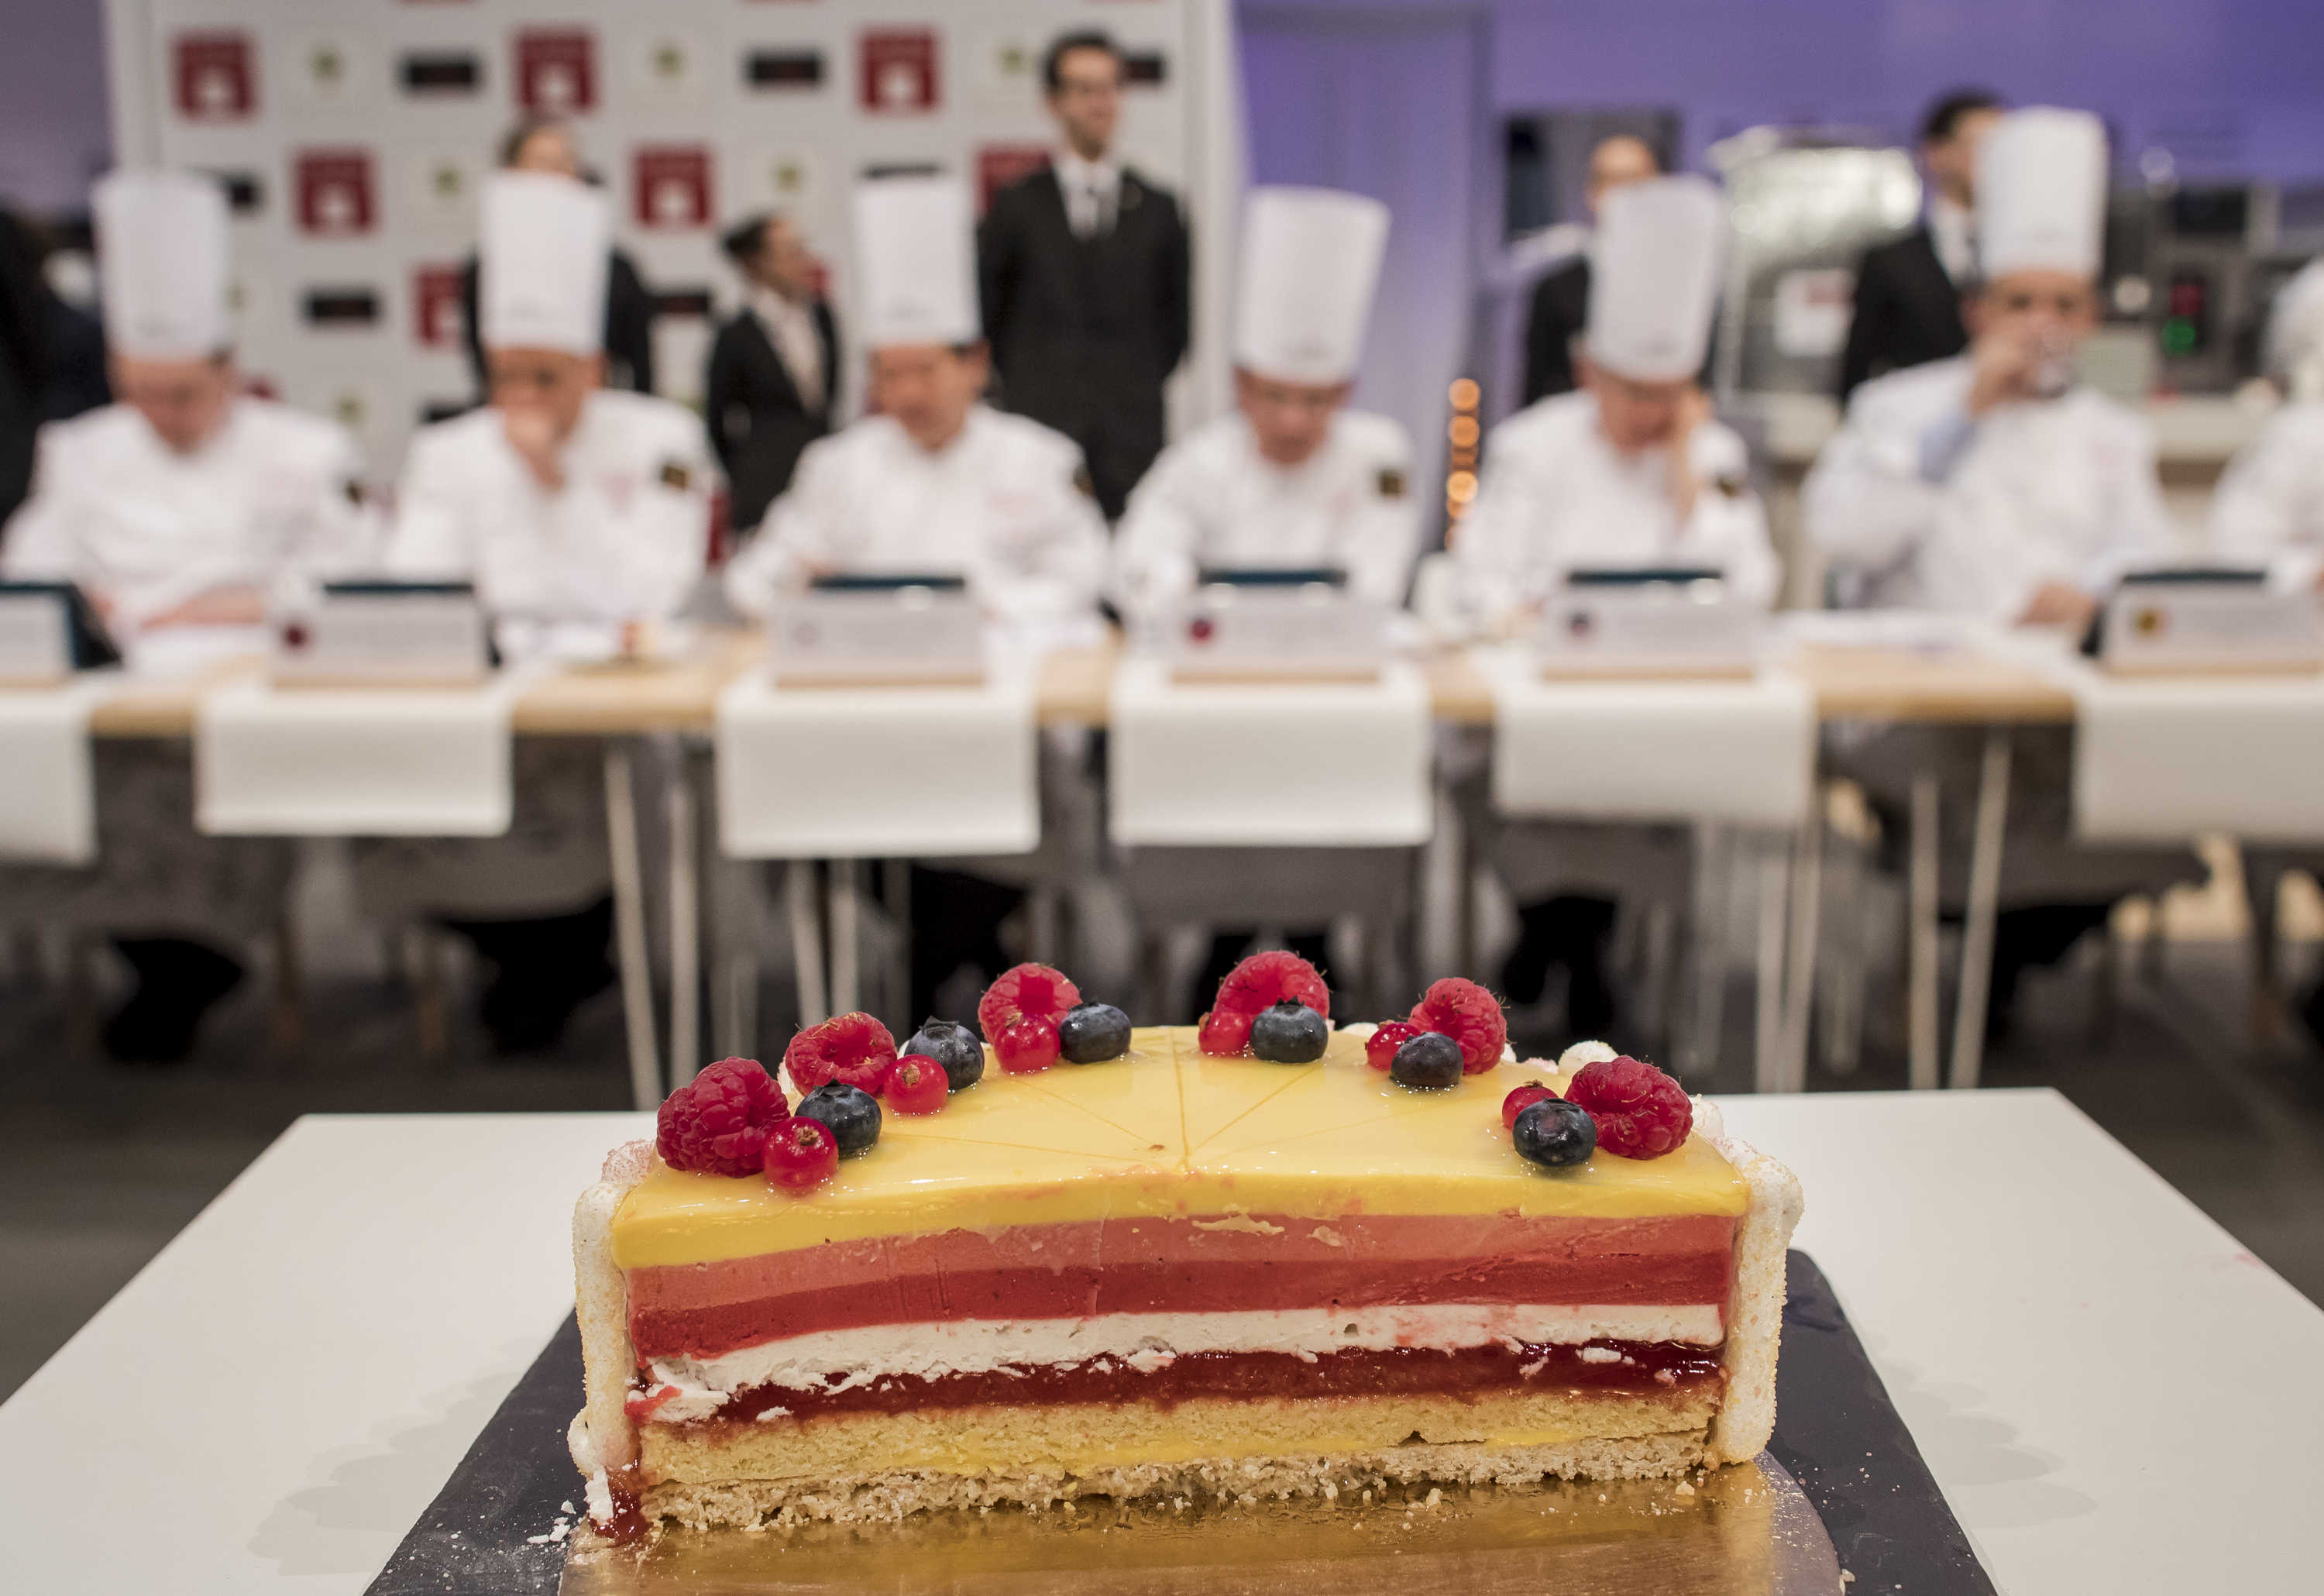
<point>1163,1133</point>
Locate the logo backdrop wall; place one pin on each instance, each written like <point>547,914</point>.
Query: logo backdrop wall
<point>352,132</point>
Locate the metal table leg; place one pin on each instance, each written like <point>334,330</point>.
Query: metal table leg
<point>630,925</point>
<point>846,904</point>
<point>1984,904</point>
<point>1774,884</point>
<point>801,898</point>
<point>1921,1014</point>
<point>1807,905</point>
<point>1714,870</point>
<point>684,926</point>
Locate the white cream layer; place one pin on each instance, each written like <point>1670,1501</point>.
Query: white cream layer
<point>1148,1341</point>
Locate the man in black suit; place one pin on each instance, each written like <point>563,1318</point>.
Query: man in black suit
<point>1908,291</point>
<point>1560,299</point>
<point>773,368</point>
<point>1086,275</point>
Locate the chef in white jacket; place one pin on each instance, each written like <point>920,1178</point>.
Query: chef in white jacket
<point>1992,485</point>
<point>1292,478</point>
<point>176,509</point>
<point>935,482</point>
<point>1630,469</point>
<point>2269,507</point>
<point>580,513</point>
<point>564,501</point>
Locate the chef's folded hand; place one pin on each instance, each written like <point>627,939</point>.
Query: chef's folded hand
<point>220,607</point>
<point>2058,604</point>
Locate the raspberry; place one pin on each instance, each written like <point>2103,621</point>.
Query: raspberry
<point>1224,1032</point>
<point>1641,1113</point>
<point>1522,1099</point>
<point>917,1086</point>
<point>1379,1047</point>
<point>1026,1043</point>
<point>717,1123</point>
<point>1470,1016</point>
<point>1266,979</point>
<point>801,1153</point>
<point>1034,990</point>
<point>855,1049</point>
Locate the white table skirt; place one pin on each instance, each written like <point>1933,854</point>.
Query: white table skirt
<point>48,786</point>
<point>2113,1395</point>
<point>2161,760</point>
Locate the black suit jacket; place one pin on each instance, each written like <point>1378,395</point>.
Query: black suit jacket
<point>1084,331</point>
<point>630,311</point>
<point>759,424</point>
<point>1560,310</point>
<point>1908,311</point>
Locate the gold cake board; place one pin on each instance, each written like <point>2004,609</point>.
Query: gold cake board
<point>1741,1531</point>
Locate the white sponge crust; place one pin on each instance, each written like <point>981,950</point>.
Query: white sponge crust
<point>603,1437</point>
<point>1755,1306</point>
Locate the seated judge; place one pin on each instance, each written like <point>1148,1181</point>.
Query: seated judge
<point>935,482</point>
<point>578,512</point>
<point>774,367</point>
<point>1908,291</point>
<point>545,144</point>
<point>1995,485</point>
<point>1631,470</point>
<point>1291,477</point>
<point>2269,507</point>
<point>176,509</point>
<point>1560,307</point>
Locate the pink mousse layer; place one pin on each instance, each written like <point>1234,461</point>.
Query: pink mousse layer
<point>1136,1266</point>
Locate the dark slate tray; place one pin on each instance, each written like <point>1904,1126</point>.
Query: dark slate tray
<point>494,1530</point>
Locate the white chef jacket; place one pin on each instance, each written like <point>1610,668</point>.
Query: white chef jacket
<point>626,538</point>
<point>2269,506</point>
<point>1003,504</point>
<point>272,493</point>
<point>1943,513</point>
<point>1556,497</point>
<point>1212,499</point>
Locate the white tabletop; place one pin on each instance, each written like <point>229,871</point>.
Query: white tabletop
<point>2115,1396</point>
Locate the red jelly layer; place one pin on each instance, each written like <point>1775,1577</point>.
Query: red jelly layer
<point>1177,1266</point>
<point>1379,1371</point>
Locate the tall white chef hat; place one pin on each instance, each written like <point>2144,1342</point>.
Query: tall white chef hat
<point>2295,332</point>
<point>2040,193</point>
<point>1653,277</point>
<point>915,261</point>
<point>541,264</point>
<point>161,260</point>
<point>1311,259</point>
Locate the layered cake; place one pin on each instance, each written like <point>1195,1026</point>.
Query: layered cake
<point>1258,1257</point>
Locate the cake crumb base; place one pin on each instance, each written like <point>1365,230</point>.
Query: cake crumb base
<point>748,1504</point>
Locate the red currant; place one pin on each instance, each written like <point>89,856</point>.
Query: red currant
<point>801,1153</point>
<point>917,1086</point>
<point>1027,1045</point>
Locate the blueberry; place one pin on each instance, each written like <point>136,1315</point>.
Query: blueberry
<point>850,1114</point>
<point>1429,1062</point>
<point>1289,1033</point>
<point>952,1046</point>
<point>1093,1033</point>
<point>1554,1133</point>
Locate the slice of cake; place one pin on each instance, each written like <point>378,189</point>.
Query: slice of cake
<point>1258,1259</point>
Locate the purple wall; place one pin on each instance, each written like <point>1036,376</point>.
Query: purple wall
<point>2231,88</point>
<point>54,128</point>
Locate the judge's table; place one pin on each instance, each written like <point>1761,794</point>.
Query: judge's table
<point>2113,1395</point>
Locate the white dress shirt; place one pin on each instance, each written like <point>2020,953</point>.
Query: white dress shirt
<point>1212,499</point>
<point>273,491</point>
<point>1556,496</point>
<point>1938,511</point>
<point>1952,231</point>
<point>625,538</point>
<point>2269,507</point>
<point>791,328</point>
<point>1093,191</point>
<point>1004,504</point>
